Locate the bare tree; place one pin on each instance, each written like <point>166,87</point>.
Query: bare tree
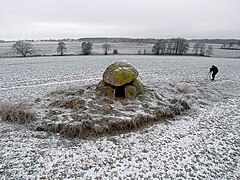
<point>106,48</point>
<point>61,48</point>
<point>163,46</point>
<point>196,48</point>
<point>87,48</point>
<point>159,47</point>
<point>181,46</point>
<point>169,46</point>
<point>172,46</point>
<point>185,47</point>
<point>177,46</point>
<point>209,50</point>
<point>156,48</point>
<point>202,49</point>
<point>139,52</point>
<point>231,45</point>
<point>23,48</point>
<point>223,46</point>
<point>115,51</point>
<point>144,51</point>
<point>238,43</point>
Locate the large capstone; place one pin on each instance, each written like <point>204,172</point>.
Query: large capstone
<point>120,81</point>
<point>119,73</point>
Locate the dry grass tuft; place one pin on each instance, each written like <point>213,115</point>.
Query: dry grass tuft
<point>16,113</point>
<point>69,103</point>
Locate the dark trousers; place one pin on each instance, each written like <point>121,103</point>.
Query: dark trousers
<point>213,75</point>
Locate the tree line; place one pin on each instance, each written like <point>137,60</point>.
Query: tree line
<point>24,48</point>
<point>174,46</point>
<point>180,46</point>
<point>232,45</point>
<point>201,49</point>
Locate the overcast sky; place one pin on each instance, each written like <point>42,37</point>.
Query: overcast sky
<point>44,19</point>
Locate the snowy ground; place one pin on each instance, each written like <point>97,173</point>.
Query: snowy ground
<point>202,143</point>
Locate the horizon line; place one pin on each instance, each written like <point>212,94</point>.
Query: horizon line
<point>112,37</point>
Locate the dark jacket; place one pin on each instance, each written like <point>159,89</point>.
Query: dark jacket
<point>214,69</point>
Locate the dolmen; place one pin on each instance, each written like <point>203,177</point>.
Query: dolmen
<point>120,81</point>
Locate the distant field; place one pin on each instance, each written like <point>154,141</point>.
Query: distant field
<point>50,48</point>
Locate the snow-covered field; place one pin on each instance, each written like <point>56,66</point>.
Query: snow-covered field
<point>202,143</point>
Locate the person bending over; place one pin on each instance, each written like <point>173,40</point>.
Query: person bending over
<point>214,71</point>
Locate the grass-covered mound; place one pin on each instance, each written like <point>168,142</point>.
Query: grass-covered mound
<point>80,112</point>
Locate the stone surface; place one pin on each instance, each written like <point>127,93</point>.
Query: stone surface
<point>130,92</point>
<point>139,87</point>
<point>103,89</point>
<point>119,81</point>
<point>119,73</point>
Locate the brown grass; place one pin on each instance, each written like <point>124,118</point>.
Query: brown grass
<point>105,127</point>
<point>80,124</point>
<point>16,113</point>
<point>85,128</point>
<point>71,102</point>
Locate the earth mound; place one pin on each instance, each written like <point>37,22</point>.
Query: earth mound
<point>86,115</point>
